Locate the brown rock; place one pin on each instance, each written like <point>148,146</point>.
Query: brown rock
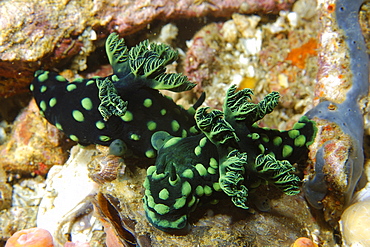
<point>37,34</point>
<point>34,145</point>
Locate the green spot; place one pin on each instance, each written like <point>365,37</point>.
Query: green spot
<point>161,209</point>
<point>201,169</point>
<point>87,104</point>
<point>265,138</point>
<point>199,190</point>
<point>60,78</point>
<point>216,186</point>
<point>78,80</point>
<point>151,215</point>
<point>100,125</point>
<point>104,138</point>
<point>42,105</point>
<point>179,223</point>
<point>175,125</point>
<point>277,141</point>
<point>78,116</point>
<point>89,82</point>
<point>157,176</point>
<point>150,170</point>
<point>203,142</point>
<point>186,188</point>
<point>146,185</point>
<point>52,102</point>
<point>171,142</point>
<point>150,153</point>
<point>298,125</point>
<point>188,173</point>
<point>73,138</point>
<point>300,141</point>
<point>147,103</point>
<point>293,133</point>
<point>214,201</point>
<point>262,148</point>
<point>127,117</point>
<point>179,202</point>
<point>151,125</point>
<point>207,190</point>
<point>115,78</point>
<point>164,194</point>
<point>184,133</point>
<point>163,112</point>
<point>43,88</point>
<point>32,87</point>
<point>150,201</point>
<point>135,137</point>
<point>71,87</point>
<point>287,151</point>
<point>210,170</point>
<point>197,150</point>
<point>213,163</point>
<point>254,136</point>
<point>59,126</point>
<point>43,77</point>
<point>192,201</point>
<point>193,130</point>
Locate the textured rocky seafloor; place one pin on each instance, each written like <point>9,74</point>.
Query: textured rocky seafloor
<point>282,52</point>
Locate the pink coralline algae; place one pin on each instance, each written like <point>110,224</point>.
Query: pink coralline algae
<point>33,237</point>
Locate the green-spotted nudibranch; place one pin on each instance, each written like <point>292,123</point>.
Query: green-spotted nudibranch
<point>126,105</point>
<point>231,154</point>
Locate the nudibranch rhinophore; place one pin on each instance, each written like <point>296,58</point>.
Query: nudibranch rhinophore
<point>126,105</point>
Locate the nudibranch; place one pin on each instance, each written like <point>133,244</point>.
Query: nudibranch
<point>229,155</point>
<point>126,105</point>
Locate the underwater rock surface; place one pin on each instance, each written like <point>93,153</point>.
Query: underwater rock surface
<point>33,145</point>
<point>341,95</point>
<point>50,31</point>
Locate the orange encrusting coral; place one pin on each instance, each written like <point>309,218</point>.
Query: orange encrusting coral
<point>304,242</point>
<point>298,55</point>
<point>32,237</point>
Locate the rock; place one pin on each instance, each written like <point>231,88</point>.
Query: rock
<point>34,145</point>
<point>38,34</point>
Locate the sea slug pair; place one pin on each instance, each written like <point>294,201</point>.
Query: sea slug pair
<point>202,154</point>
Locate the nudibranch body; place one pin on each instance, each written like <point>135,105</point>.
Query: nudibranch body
<point>230,155</point>
<point>126,105</point>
